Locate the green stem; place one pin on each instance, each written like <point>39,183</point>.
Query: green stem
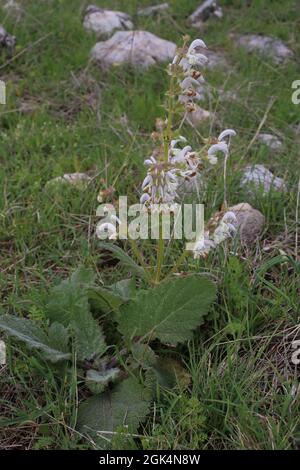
<point>179,262</point>
<point>139,256</point>
<point>160,253</point>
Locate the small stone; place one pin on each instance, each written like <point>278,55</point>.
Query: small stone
<point>204,11</point>
<point>198,116</point>
<point>104,22</point>
<point>264,45</point>
<point>270,140</point>
<point>140,49</point>
<point>250,222</point>
<point>261,177</point>
<point>148,11</point>
<point>80,180</point>
<point>7,40</point>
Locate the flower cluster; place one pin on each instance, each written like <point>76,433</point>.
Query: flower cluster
<point>160,184</point>
<point>226,229</point>
<point>192,78</point>
<point>222,145</point>
<point>174,160</point>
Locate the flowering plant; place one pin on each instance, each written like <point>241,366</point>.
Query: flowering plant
<point>147,314</point>
<point>173,160</point>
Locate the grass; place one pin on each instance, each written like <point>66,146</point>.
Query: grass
<point>65,115</point>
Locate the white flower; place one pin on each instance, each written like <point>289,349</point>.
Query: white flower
<point>226,133</point>
<point>203,247</point>
<point>160,184</point>
<point>147,181</point>
<point>107,230</point>
<point>144,198</point>
<point>226,229</point>
<point>220,147</point>
<point>196,43</point>
<point>191,85</point>
<point>178,155</point>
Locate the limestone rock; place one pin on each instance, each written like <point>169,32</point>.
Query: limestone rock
<point>260,177</point>
<point>104,22</point>
<point>270,140</point>
<point>140,49</point>
<point>148,11</point>
<point>250,222</point>
<point>204,11</point>
<point>264,45</point>
<point>80,180</point>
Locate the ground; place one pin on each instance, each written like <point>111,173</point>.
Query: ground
<point>65,115</point>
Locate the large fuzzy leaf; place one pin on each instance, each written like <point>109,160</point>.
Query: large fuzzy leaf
<point>35,338</point>
<point>104,299</point>
<point>127,405</point>
<point>69,305</point>
<point>169,312</point>
<point>70,296</point>
<point>125,288</point>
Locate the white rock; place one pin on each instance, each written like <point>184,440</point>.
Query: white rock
<point>204,11</point>
<point>148,11</point>
<point>138,48</point>
<point>104,22</point>
<point>80,180</point>
<point>271,47</point>
<point>250,222</point>
<point>198,116</point>
<point>261,177</point>
<point>270,140</point>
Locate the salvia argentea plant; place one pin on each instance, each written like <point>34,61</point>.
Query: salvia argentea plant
<point>173,160</point>
<point>148,311</point>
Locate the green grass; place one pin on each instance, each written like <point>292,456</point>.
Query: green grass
<point>240,394</point>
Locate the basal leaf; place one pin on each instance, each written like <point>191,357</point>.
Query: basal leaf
<point>169,312</point>
<point>101,415</point>
<point>69,305</point>
<point>170,372</point>
<point>34,337</point>
<point>125,288</point>
<point>143,355</point>
<point>70,296</point>
<point>104,299</point>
